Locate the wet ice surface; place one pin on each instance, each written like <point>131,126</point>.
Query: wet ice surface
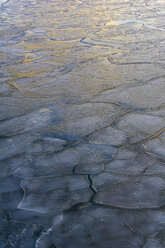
<point>82,124</point>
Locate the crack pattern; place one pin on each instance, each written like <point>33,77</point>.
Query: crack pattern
<point>82,124</point>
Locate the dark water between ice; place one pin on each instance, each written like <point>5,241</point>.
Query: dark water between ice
<point>82,124</point>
